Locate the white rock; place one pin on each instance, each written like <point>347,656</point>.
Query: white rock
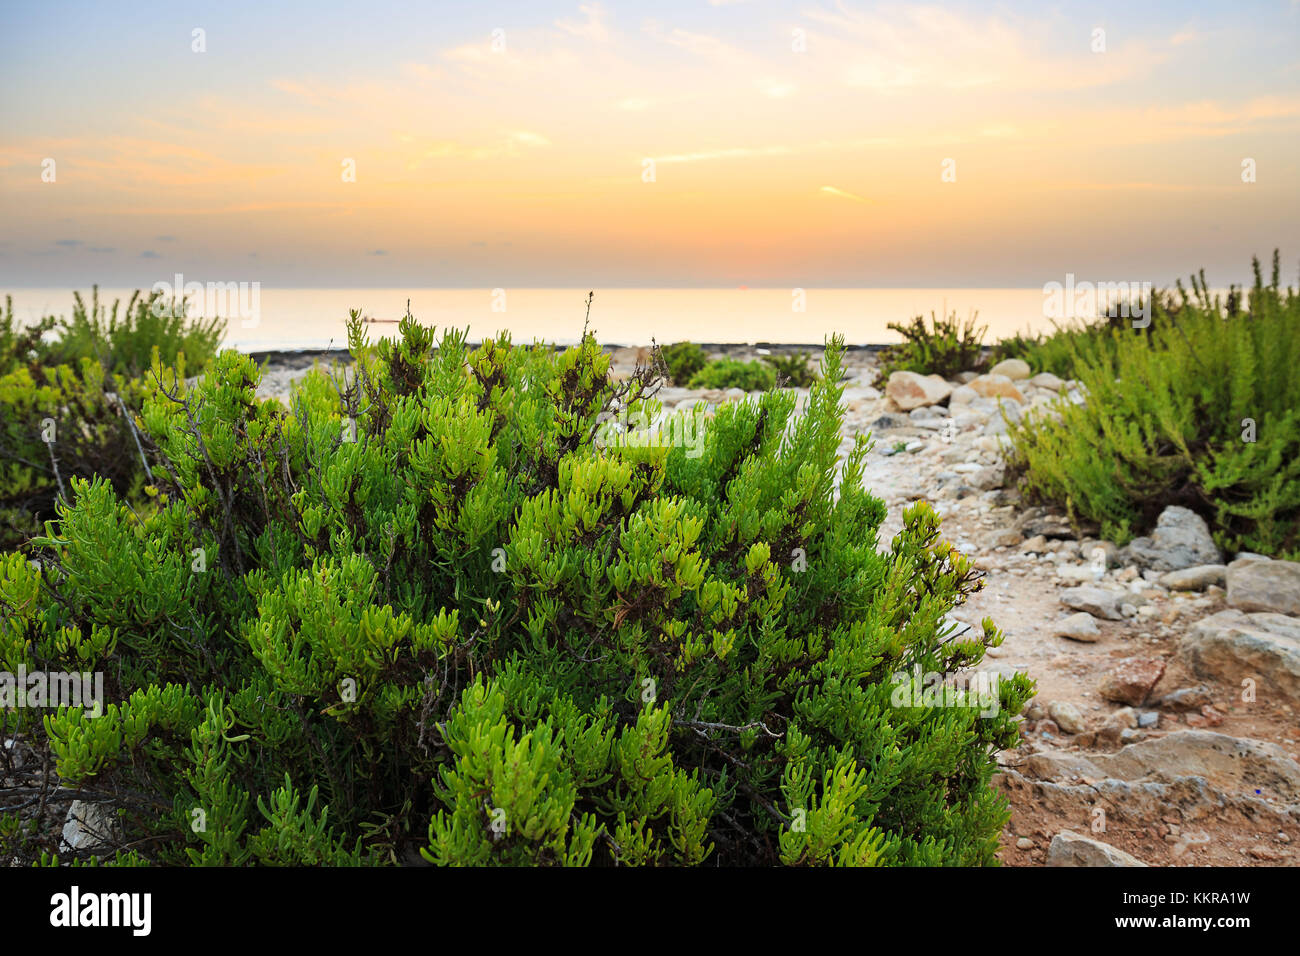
<point>1078,627</point>
<point>1074,849</point>
<point>909,390</point>
<point>1013,368</point>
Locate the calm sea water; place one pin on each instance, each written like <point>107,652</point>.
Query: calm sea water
<point>313,318</point>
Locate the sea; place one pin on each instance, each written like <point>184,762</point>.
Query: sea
<point>264,319</point>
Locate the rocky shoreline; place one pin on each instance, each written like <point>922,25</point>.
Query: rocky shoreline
<point>1165,729</point>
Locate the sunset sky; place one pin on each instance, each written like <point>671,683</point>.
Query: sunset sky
<point>781,158</point>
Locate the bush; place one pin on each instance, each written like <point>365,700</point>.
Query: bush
<point>125,347</point>
<point>22,347</point>
<point>1167,421</point>
<point>67,405</point>
<point>945,348</point>
<point>733,373</point>
<point>57,424</point>
<point>683,360</point>
<point>792,370</point>
<point>423,611</point>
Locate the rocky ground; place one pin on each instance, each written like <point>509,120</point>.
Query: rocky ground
<point>1165,729</point>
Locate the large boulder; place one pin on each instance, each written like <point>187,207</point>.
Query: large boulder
<point>1264,585</point>
<point>1013,368</point>
<point>908,390</point>
<point>1238,764</point>
<point>1074,849</point>
<point>1232,645</point>
<point>1181,540</point>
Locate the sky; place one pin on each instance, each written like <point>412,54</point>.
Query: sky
<point>714,143</point>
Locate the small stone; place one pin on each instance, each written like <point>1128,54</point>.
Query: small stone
<point>1024,843</point>
<point>1035,545</point>
<point>886,422</point>
<point>1067,716</point>
<point>1078,627</point>
<point>1096,601</point>
<point>1131,680</point>
<point>1148,718</point>
<point>1261,852</point>
<point>1048,381</point>
<point>1196,578</point>
<point>1187,698</point>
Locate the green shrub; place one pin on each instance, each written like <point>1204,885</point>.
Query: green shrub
<point>733,373</point>
<point>683,360</point>
<point>792,371</point>
<point>1068,346</point>
<point>423,610</point>
<point>67,406</point>
<point>946,347</point>
<point>22,347</point>
<point>58,423</point>
<point>125,346</point>
<point>1166,422</point>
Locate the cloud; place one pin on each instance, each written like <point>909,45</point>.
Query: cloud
<point>832,191</point>
<point>593,29</point>
<point>149,254</point>
<point>67,242</point>
<point>374,252</point>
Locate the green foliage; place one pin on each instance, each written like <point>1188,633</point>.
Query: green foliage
<point>1166,422</point>
<point>423,613</point>
<point>58,423</point>
<point>683,360</point>
<point>733,373</point>
<point>792,370</point>
<point>946,347</point>
<point>22,347</point>
<point>67,405</point>
<point>124,346</point>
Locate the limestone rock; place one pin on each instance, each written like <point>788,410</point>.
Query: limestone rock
<point>1131,680</point>
<point>1233,645</point>
<point>1181,540</point>
<point>1078,627</point>
<point>1013,368</point>
<point>1256,585</point>
<point>1196,578</point>
<point>1074,849</point>
<point>909,390</point>
<point>997,386</point>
